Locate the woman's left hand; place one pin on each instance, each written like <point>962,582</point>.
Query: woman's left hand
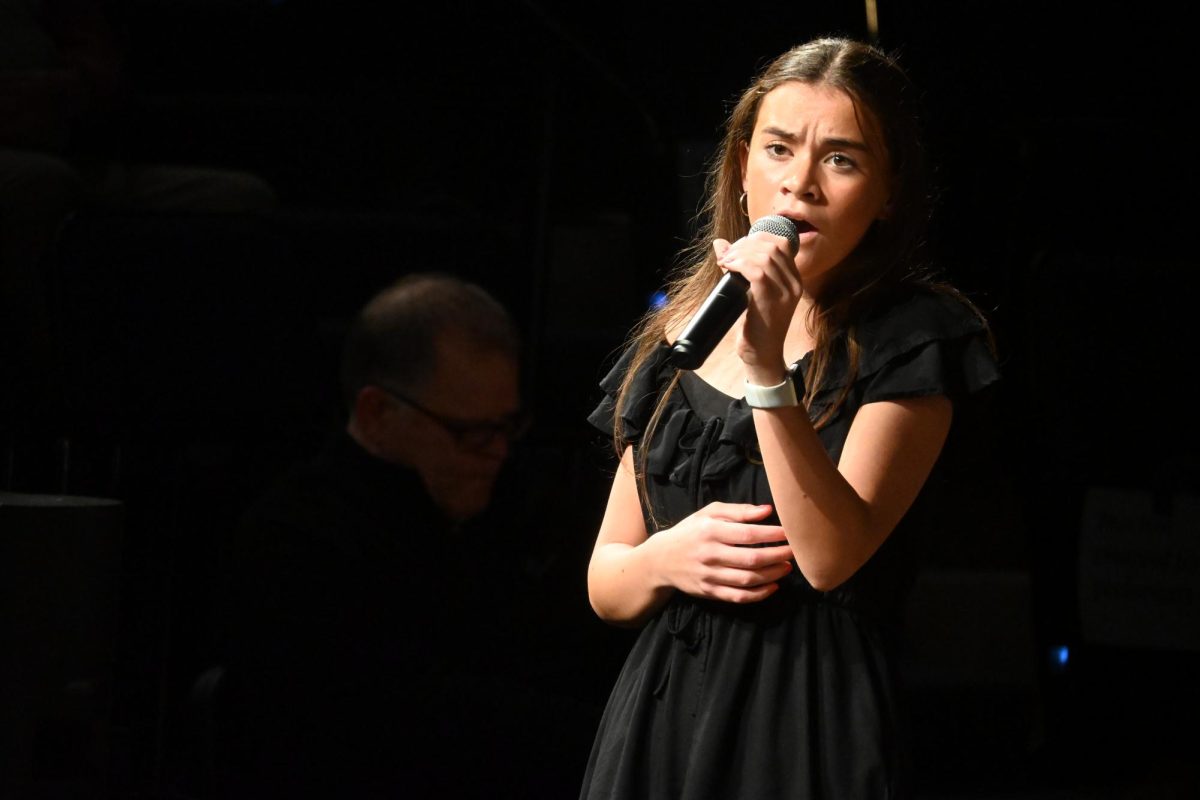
<point>766,261</point>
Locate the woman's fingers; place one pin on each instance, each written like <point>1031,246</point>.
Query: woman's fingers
<point>725,551</point>
<point>751,578</point>
<point>736,512</point>
<point>757,253</point>
<point>747,586</point>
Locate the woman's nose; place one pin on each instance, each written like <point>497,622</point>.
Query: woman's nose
<point>802,179</point>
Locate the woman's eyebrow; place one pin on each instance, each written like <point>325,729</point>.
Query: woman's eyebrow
<point>833,141</point>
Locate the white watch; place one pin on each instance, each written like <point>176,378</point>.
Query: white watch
<point>781,395</point>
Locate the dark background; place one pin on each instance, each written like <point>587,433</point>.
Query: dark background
<point>555,152</point>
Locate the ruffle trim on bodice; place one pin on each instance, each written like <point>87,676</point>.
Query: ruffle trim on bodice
<point>684,438</point>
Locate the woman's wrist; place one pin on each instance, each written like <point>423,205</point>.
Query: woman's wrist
<point>657,562</point>
<point>776,395</point>
<point>761,375</point>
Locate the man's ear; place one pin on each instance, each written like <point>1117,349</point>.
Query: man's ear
<point>372,406</point>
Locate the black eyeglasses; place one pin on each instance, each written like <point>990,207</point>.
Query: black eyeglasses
<point>471,435</point>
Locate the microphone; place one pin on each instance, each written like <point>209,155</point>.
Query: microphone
<point>724,305</point>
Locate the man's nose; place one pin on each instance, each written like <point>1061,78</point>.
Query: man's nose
<point>497,447</point>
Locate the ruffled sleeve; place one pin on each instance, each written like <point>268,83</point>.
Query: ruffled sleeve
<point>643,393</point>
<point>928,344</point>
<point>932,344</point>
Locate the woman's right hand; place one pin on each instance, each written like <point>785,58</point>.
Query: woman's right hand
<point>723,552</point>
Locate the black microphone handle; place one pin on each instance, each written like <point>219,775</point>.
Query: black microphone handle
<point>722,308</point>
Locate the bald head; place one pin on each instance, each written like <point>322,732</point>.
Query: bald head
<point>393,340</point>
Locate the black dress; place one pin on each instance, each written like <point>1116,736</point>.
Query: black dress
<point>795,696</point>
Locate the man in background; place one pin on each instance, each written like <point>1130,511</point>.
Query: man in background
<point>376,643</point>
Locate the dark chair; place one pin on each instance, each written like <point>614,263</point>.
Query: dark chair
<point>60,567</point>
<point>198,769</point>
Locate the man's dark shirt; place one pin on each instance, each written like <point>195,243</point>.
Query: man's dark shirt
<point>371,644</point>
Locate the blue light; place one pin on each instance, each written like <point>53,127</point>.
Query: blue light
<point>1060,655</point>
<point>658,299</point>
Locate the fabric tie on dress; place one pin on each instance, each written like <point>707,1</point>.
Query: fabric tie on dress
<point>687,452</point>
<point>690,627</point>
<point>686,622</point>
<point>703,444</point>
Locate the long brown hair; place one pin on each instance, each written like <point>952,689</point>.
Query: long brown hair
<point>886,258</point>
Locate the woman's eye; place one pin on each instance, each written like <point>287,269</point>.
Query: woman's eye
<point>841,160</point>
<point>777,149</point>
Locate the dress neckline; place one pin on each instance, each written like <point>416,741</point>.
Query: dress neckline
<point>704,398</point>
<point>699,386</point>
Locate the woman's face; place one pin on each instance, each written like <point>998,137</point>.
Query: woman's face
<point>810,160</point>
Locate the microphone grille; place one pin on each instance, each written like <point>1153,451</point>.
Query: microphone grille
<point>778,225</point>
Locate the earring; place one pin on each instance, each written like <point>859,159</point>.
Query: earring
<point>744,205</point>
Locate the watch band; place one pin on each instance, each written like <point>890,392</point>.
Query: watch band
<point>781,395</point>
